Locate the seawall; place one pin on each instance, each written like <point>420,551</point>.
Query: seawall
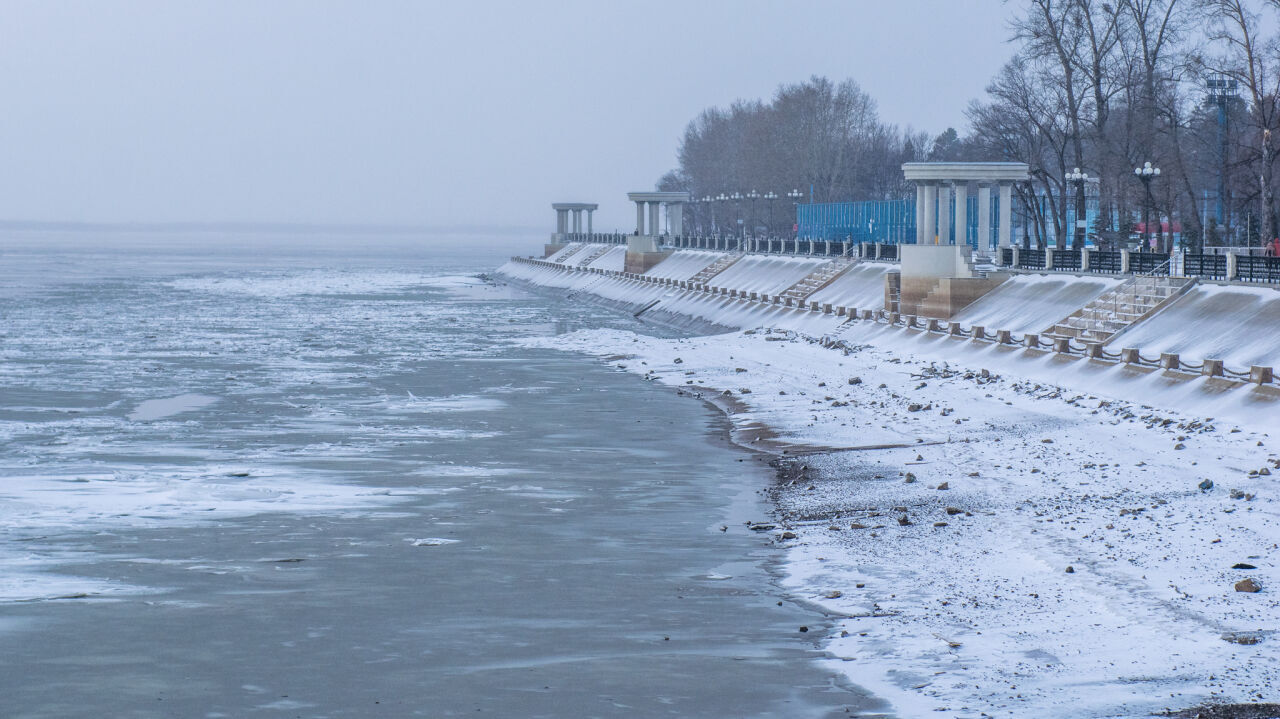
<point>1002,331</point>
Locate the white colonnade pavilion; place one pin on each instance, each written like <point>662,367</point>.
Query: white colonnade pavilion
<point>935,183</point>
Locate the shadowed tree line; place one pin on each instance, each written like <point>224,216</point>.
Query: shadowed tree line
<point>1102,86</point>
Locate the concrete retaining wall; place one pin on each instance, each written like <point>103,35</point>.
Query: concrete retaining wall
<point>1240,325</point>
<point>767,274</point>
<point>1032,303</point>
<point>1210,327</point>
<point>861,286</point>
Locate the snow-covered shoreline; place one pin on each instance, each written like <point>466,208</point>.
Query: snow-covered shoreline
<point>968,608</point>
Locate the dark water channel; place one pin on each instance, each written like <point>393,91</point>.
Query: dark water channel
<point>541,536</point>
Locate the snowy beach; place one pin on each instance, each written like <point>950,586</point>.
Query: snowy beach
<point>1000,545</point>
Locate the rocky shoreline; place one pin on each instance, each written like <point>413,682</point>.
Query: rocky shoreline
<point>1000,546</point>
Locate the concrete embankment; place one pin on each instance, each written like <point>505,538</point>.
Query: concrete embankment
<point>1237,325</point>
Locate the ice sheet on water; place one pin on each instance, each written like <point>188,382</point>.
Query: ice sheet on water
<point>432,542</point>
<point>160,408</point>
<point>451,403</point>
<point>313,282</point>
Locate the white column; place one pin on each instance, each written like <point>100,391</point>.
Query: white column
<point>944,214</point>
<point>639,217</point>
<point>921,199</point>
<point>562,221</point>
<point>930,213</point>
<point>962,212</point>
<point>675,218</point>
<point>589,221</point>
<point>1005,229</point>
<point>577,222</point>
<point>984,216</point>
<point>655,226</point>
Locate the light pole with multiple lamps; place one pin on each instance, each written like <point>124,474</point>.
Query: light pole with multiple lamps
<point>1079,178</point>
<point>737,211</point>
<point>706,202</point>
<point>751,220</point>
<point>770,196</point>
<point>1146,173</point>
<point>795,196</point>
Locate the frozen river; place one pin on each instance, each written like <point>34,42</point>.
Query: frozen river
<point>281,476</point>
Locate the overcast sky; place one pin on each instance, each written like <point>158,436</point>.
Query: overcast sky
<point>427,113</point>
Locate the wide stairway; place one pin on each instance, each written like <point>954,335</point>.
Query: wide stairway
<point>1114,312</point>
<point>824,275</point>
<point>569,251</point>
<point>720,265</point>
<point>593,255</point>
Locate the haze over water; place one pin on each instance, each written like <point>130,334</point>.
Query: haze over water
<point>314,476</point>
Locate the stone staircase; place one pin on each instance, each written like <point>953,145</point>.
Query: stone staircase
<point>1116,311</point>
<point>594,255</point>
<point>720,265</point>
<point>573,249</point>
<point>825,274</point>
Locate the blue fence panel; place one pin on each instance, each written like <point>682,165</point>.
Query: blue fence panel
<point>883,221</point>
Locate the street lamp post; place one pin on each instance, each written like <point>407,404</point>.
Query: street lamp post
<point>770,196</point>
<point>753,196</point>
<point>737,212</point>
<point>1079,178</point>
<point>721,198</point>
<point>795,196</point>
<point>1146,173</point>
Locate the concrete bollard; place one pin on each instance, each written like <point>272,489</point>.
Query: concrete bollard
<point>979,332</point>
<point>826,308</point>
<point>1032,340</point>
<point>1169,360</point>
<point>786,302</point>
<point>933,326</point>
<point>953,329</point>
<point>1093,350</point>
<point>1062,345</point>
<point>1212,368</point>
<point>1129,355</point>
<point>1004,337</point>
<point>777,300</point>
<point>868,315</point>
<point>815,307</point>
<point>754,296</point>
<point>839,312</point>
<point>764,297</point>
<point>1260,375</point>
<point>894,317</point>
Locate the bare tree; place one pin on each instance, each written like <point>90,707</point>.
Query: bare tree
<point>1054,34</point>
<point>1253,60</point>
